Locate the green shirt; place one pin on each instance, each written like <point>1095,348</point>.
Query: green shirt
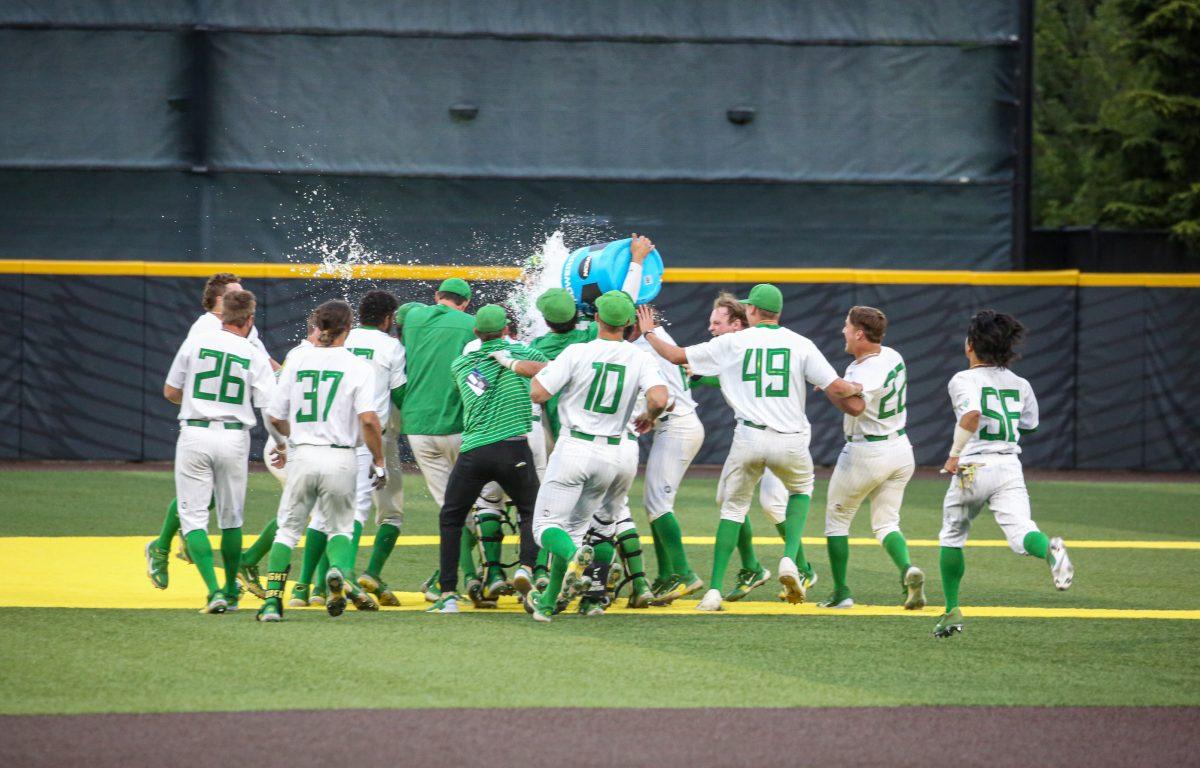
<point>551,345</point>
<point>433,337</point>
<point>496,404</point>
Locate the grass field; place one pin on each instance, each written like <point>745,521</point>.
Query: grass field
<point>1138,551</point>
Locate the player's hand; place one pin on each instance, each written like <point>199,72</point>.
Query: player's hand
<point>646,320</point>
<point>951,466</point>
<point>378,475</point>
<point>503,357</point>
<point>278,457</point>
<point>640,247</point>
<point>643,423</point>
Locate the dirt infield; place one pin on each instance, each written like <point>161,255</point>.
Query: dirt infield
<point>992,736</point>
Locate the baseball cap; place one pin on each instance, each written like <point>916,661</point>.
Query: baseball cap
<point>491,318</point>
<point>404,309</point>
<point>616,308</point>
<point>766,297</point>
<point>557,305</point>
<point>456,285</point>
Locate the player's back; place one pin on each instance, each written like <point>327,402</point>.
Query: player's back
<point>884,379</point>
<point>1006,403</point>
<point>385,355</point>
<point>433,337</point>
<point>324,389</point>
<point>552,344</point>
<point>222,376</point>
<point>598,384</point>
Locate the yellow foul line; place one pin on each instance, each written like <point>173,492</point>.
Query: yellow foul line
<point>1065,277</point>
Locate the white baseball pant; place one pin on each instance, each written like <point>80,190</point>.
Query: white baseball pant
<point>874,471</point>
<point>581,477</point>
<point>318,475</point>
<point>754,450</point>
<point>676,442</point>
<point>211,465</point>
<point>435,455</point>
<point>998,482</point>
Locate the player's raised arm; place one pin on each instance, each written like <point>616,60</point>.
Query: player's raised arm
<point>647,323</point>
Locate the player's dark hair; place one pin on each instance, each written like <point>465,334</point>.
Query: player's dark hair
<point>238,308</point>
<point>728,302</point>
<point>564,327</point>
<point>490,335</point>
<point>457,298</point>
<point>872,322</point>
<point>376,307</point>
<point>215,288</point>
<point>332,319</point>
<point>993,337</point>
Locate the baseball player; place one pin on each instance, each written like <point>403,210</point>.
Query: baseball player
<point>993,407</point>
<point>217,378</point>
<point>498,414</point>
<point>598,384</point>
<point>763,372</point>
<point>326,403</point>
<point>158,550</point>
<point>877,460</point>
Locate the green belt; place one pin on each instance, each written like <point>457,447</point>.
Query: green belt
<point>752,424</point>
<point>537,418</point>
<point>206,423</point>
<point>346,447</point>
<point>875,438</point>
<point>586,436</point>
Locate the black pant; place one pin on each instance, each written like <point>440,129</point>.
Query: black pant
<point>509,463</point>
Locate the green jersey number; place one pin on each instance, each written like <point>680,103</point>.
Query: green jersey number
<point>231,388</point>
<point>312,381</point>
<point>1003,413</point>
<point>770,370</point>
<point>366,352</point>
<point>897,380</point>
<point>607,384</point>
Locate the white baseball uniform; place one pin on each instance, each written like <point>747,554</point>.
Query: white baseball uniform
<point>990,467</point>
<point>598,384</point>
<point>385,355</point>
<point>322,393</point>
<point>877,460</point>
<point>764,372</point>
<point>223,377</point>
<point>678,435</point>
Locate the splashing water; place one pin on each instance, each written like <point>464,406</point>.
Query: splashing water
<point>541,271</point>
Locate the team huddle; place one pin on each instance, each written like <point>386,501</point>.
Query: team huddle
<point>547,432</point>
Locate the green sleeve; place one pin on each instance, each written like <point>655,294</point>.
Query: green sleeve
<point>398,397</point>
<point>705,381</point>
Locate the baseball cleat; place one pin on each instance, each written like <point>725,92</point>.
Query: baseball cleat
<point>379,589</point>
<point>616,573</point>
<point>530,600</point>
<point>362,601</point>
<point>496,586</point>
<point>839,599</point>
<point>300,596</point>
<point>576,581</point>
<point>679,588</point>
<point>747,581</point>
<point>216,604</point>
<point>642,598</point>
<point>335,600</point>
<point>914,584</point>
<point>429,588</point>
<point>183,553</point>
<point>590,606</point>
<point>662,584</point>
<point>231,603</point>
<point>1061,570</point>
<point>711,601</point>
<point>793,585</point>
<point>475,593</point>
<point>156,565</point>
<point>949,623</point>
<point>522,581</point>
<point>541,580</point>
<point>447,604</point>
<point>270,611</point>
<point>248,577</point>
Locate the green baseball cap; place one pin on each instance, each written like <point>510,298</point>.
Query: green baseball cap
<point>557,305</point>
<point>766,297</point>
<point>456,285</point>
<point>404,309</point>
<point>491,318</point>
<point>616,308</point>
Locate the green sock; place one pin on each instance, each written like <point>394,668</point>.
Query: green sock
<point>202,555</point>
<point>340,551</point>
<point>354,540</point>
<point>314,551</point>
<point>466,553</point>
<point>279,562</point>
<point>1037,545</point>
<point>558,569</point>
<point>745,545</point>
<point>231,557</point>
<point>839,556</point>
<point>170,526</point>
<point>953,566</point>
<point>491,536</point>
<point>631,552</point>
<point>558,543</point>
<point>605,553</point>
<point>727,537</point>
<point>797,515</point>
<point>667,529</point>
<point>662,560</point>
<point>897,549</point>
<point>385,542</point>
<point>262,545</point>
<point>542,564</point>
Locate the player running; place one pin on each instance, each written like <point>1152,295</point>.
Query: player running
<point>217,378</point>
<point>877,461</point>
<point>763,372</point>
<point>994,407</point>
<point>598,384</point>
<point>326,403</point>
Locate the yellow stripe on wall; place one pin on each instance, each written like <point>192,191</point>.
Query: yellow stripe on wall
<point>1065,277</point>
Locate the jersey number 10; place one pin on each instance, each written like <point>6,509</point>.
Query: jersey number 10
<point>607,384</point>
<point>312,381</point>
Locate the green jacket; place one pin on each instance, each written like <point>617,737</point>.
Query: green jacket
<point>433,338</point>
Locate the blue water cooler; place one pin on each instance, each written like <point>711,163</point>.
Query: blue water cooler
<point>597,269</point>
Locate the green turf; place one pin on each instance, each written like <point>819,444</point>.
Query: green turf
<point>162,660</point>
